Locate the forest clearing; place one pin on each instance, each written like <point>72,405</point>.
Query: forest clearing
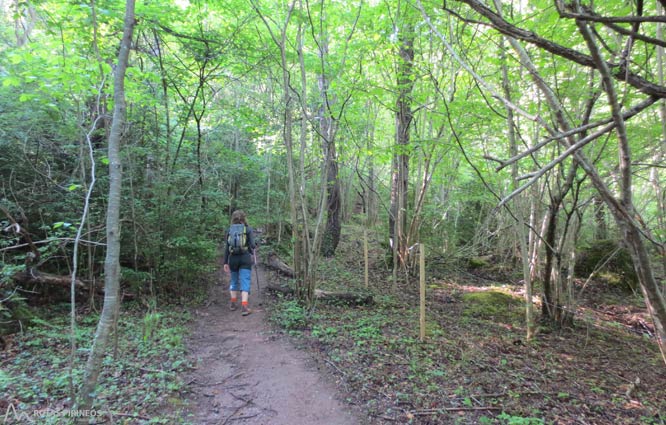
<point>405,211</point>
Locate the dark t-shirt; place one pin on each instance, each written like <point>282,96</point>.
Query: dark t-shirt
<point>240,261</point>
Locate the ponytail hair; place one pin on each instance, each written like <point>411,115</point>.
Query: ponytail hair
<point>238,217</point>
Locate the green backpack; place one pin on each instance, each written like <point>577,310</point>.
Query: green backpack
<point>237,239</point>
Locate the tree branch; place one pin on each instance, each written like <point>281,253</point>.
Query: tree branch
<point>604,70</point>
<point>590,16</point>
<point>626,115</point>
<point>619,71</point>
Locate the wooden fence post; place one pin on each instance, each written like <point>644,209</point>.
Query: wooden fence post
<point>422,289</point>
<point>365,257</point>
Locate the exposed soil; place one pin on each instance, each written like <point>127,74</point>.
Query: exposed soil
<point>246,374</point>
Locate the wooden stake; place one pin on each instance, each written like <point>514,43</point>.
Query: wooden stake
<point>365,256</point>
<point>422,288</point>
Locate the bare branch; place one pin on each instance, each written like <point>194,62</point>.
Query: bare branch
<point>590,16</point>
<point>619,71</point>
<point>477,77</point>
<point>604,71</point>
<point>626,115</point>
<point>45,241</point>
<point>568,152</point>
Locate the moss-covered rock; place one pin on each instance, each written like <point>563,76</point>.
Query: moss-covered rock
<point>618,271</point>
<point>477,262</point>
<point>493,305</point>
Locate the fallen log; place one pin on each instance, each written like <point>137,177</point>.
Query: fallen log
<point>284,290</point>
<point>33,276</point>
<point>274,262</point>
<point>347,298</point>
<point>344,297</point>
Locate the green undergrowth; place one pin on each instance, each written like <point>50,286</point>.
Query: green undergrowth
<point>140,378</point>
<point>474,365</point>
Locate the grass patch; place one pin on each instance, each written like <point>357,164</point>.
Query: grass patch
<point>138,382</point>
<point>289,314</point>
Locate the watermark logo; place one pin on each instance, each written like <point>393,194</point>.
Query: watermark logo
<point>14,415</point>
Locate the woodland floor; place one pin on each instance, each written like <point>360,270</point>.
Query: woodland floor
<point>342,364</point>
<point>474,367</point>
<point>244,374</point>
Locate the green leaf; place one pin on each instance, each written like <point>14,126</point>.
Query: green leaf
<point>11,81</point>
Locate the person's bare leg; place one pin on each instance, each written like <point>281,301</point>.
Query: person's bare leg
<point>245,296</point>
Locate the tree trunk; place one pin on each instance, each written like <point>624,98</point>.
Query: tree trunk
<point>660,154</point>
<point>32,276</point>
<point>520,222</point>
<point>600,226</point>
<point>623,208</point>
<point>337,298</point>
<point>327,126</point>
<point>552,307</point>
<point>331,237</point>
<point>24,21</point>
<point>400,164</point>
<point>369,189</point>
<point>111,262</point>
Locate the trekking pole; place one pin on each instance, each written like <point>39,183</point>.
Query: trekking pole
<point>256,270</point>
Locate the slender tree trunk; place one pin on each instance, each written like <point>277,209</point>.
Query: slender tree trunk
<point>327,126</point>
<point>234,181</point>
<point>198,117</point>
<point>370,191</point>
<point>309,251</point>
<point>660,154</point>
<point>331,237</point>
<point>519,223</point>
<point>200,173</point>
<point>404,114</point>
<point>566,247</point>
<point>111,262</point>
<point>623,209</point>
<point>25,17</point>
<point>311,241</point>
<point>551,307</point>
<point>600,226</point>
<point>287,135</point>
<point>289,145</point>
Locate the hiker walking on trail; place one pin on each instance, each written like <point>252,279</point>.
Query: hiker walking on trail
<point>238,256</point>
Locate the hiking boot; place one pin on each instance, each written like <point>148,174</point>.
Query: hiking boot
<point>233,306</point>
<point>245,310</point>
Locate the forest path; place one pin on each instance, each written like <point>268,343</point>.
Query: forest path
<point>246,374</point>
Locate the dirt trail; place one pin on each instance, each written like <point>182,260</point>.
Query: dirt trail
<point>247,375</point>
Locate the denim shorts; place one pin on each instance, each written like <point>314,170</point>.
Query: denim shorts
<point>245,277</point>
